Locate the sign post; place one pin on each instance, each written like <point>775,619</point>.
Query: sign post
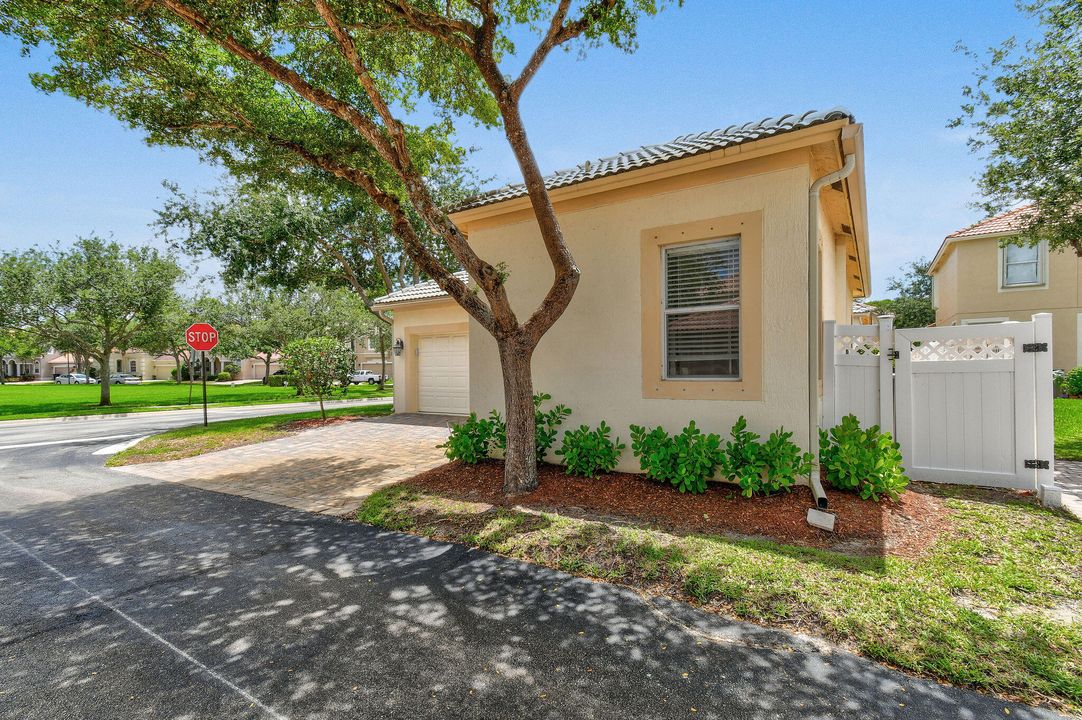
<point>202,337</point>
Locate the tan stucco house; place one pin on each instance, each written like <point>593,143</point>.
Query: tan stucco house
<point>694,297</point>
<point>978,278</point>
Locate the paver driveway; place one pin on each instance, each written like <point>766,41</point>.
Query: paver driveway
<point>328,470</point>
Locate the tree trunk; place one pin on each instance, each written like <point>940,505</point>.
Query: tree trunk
<point>382,361</point>
<point>103,380</point>
<point>266,375</point>
<point>176,359</point>
<point>520,459</point>
<point>321,410</point>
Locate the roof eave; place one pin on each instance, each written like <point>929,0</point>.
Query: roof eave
<point>951,240</point>
<point>852,140</point>
<point>777,143</point>
<point>405,303</point>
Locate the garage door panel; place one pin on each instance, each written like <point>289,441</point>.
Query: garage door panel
<point>443,381</point>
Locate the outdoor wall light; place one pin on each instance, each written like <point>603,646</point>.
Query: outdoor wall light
<point>399,346</point>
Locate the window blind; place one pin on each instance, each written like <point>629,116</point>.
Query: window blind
<point>702,310</point>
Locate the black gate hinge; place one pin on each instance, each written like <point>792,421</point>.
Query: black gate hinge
<point>1037,465</point>
<point>1034,347</point>
<point>893,354</point>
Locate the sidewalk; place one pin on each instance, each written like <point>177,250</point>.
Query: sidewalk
<point>1069,478</point>
<point>328,470</point>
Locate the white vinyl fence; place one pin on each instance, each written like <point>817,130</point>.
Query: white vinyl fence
<point>968,404</point>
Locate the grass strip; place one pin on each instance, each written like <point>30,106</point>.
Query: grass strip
<point>994,605</point>
<point>19,402</point>
<point>197,440</point>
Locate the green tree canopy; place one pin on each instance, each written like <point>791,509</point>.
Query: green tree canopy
<point>318,366</point>
<point>272,236</point>
<point>92,298</point>
<point>1025,110</point>
<point>912,305</point>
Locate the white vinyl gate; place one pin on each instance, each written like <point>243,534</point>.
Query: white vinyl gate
<point>968,404</point>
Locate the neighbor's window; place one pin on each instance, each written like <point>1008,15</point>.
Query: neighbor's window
<point>702,310</point>
<point>131,366</point>
<point>1021,265</point>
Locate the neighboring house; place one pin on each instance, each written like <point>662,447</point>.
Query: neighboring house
<point>977,279</point>
<point>864,314</point>
<point>366,357</point>
<point>693,302</point>
<point>20,367</point>
<point>153,367</point>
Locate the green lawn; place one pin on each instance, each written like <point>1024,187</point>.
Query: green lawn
<point>196,440</point>
<point>994,604</point>
<point>1068,429</point>
<point>38,401</point>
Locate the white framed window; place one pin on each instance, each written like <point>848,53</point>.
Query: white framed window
<point>701,310</point>
<point>1021,265</point>
<point>131,366</point>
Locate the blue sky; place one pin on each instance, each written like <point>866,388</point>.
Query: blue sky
<point>69,170</point>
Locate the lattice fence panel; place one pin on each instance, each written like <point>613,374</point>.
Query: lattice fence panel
<point>955,349</point>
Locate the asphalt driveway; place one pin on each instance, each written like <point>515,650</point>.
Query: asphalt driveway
<point>167,601</point>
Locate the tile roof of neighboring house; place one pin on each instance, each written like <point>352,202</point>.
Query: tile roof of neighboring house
<point>1002,223</point>
<point>859,306</point>
<point>681,147</point>
<point>421,291</point>
<point>59,357</point>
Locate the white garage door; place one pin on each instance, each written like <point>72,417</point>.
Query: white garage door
<point>443,377</point>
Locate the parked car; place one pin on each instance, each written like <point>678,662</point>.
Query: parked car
<point>75,379</point>
<point>364,376</point>
<point>124,379</point>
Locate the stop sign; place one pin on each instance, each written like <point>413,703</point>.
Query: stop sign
<point>201,336</point>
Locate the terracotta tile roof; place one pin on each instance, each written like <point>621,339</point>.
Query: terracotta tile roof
<point>421,291</point>
<point>1002,223</point>
<point>647,155</point>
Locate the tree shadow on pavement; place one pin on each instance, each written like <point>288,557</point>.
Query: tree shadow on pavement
<point>318,618</point>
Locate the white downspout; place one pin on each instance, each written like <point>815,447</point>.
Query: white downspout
<point>813,320</point>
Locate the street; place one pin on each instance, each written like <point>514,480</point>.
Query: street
<point>121,598</point>
<point>47,459</point>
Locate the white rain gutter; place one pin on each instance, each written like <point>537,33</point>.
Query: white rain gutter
<point>813,319</point>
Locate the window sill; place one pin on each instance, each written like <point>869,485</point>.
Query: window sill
<point>702,390</point>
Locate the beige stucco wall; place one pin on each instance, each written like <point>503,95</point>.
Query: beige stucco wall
<point>591,358</point>
<point>411,321</point>
<point>968,286</point>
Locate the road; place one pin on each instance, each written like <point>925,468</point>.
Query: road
<point>47,459</point>
<point>121,599</point>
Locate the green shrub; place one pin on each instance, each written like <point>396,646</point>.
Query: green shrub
<point>588,452</point>
<point>232,368</point>
<point>469,441</point>
<point>223,377</point>
<point>867,461</point>
<point>546,425</point>
<point>1071,383</point>
<point>276,381</point>
<point>763,467</point>
<point>685,461</point>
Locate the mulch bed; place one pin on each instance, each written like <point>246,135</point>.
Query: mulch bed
<point>904,527</point>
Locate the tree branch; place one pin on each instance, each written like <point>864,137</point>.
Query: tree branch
<point>559,32</point>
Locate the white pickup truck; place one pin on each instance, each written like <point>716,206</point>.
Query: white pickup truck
<point>364,376</point>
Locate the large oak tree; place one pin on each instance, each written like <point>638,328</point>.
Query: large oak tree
<point>265,86</point>
<point>1024,109</point>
